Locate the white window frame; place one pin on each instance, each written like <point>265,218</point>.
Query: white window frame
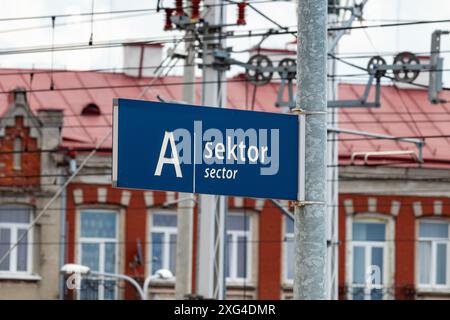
<point>368,246</point>
<point>434,242</point>
<point>167,232</point>
<point>14,228</point>
<point>101,242</point>
<point>288,236</point>
<point>388,251</point>
<point>233,278</point>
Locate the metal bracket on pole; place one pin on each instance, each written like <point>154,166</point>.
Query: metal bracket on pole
<point>308,202</point>
<point>435,77</point>
<point>418,142</point>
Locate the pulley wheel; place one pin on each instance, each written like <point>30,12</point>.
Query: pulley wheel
<point>289,68</point>
<point>375,62</point>
<point>258,76</point>
<point>406,59</point>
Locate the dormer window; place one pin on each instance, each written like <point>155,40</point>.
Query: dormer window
<point>91,110</point>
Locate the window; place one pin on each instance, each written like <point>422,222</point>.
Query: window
<point>98,249</point>
<point>434,254</point>
<point>368,260</point>
<point>17,155</point>
<point>289,250</point>
<point>91,110</point>
<point>238,254</point>
<point>14,222</point>
<point>163,241</point>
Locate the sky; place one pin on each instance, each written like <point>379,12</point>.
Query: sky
<point>19,34</point>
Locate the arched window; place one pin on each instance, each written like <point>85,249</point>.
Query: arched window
<point>17,155</point>
<point>91,110</point>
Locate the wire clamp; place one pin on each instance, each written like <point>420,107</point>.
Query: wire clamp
<point>307,202</point>
<point>300,111</point>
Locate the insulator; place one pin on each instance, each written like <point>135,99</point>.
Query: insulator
<point>195,10</point>
<point>168,25</point>
<point>241,13</point>
<point>72,154</point>
<point>179,8</point>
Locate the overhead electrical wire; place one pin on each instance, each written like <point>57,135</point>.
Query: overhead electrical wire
<point>137,85</point>
<point>227,35</point>
<point>96,13</point>
<point>108,149</point>
<point>117,70</point>
<point>378,112</point>
<point>385,76</point>
<point>329,123</point>
<point>388,25</point>
<point>46,26</point>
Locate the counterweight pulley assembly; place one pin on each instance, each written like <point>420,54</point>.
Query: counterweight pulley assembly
<point>405,68</point>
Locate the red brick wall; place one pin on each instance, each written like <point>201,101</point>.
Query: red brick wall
<point>404,249</point>
<point>270,253</point>
<point>30,161</point>
<point>135,228</point>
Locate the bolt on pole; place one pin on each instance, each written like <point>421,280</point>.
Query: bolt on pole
<point>310,218</point>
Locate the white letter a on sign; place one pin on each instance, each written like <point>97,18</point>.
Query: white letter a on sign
<point>168,137</point>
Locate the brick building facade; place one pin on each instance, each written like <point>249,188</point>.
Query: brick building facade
<point>393,218</point>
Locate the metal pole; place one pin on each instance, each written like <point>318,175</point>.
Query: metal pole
<point>333,169</point>
<point>310,217</point>
<point>211,235</point>
<point>185,211</point>
<point>122,277</point>
<point>62,238</point>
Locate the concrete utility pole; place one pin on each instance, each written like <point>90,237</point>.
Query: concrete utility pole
<point>185,211</point>
<point>333,169</point>
<point>211,237</point>
<point>310,218</point>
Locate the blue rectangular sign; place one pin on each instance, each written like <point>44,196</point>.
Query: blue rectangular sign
<point>236,152</point>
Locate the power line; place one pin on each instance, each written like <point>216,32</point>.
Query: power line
<point>71,15</point>
<point>252,241</point>
<point>135,85</point>
<point>367,55</point>
<point>117,70</point>
<point>388,25</point>
<point>355,112</point>
<point>36,27</point>
<point>108,174</point>
<point>97,13</point>
<point>228,34</point>
<point>385,204</point>
<point>385,76</point>
<point>413,121</point>
<point>113,70</point>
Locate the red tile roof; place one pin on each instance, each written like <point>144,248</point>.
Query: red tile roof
<point>405,113</point>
